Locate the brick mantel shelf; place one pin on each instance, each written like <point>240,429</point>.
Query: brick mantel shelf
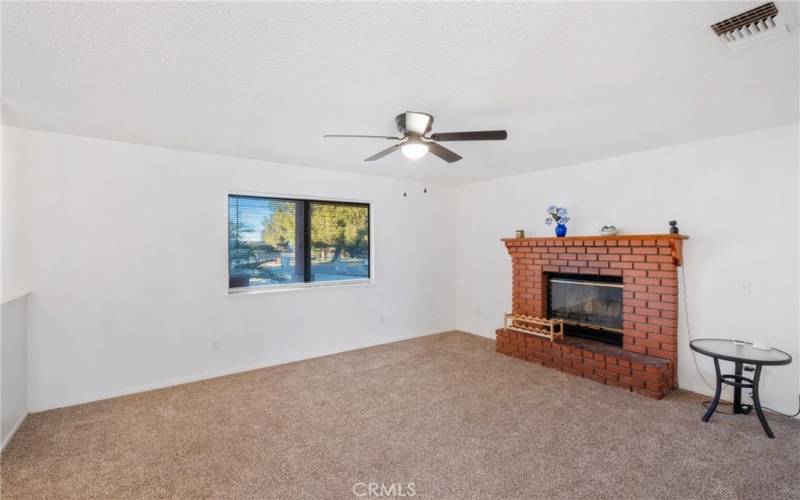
<point>675,241</point>
<point>647,264</point>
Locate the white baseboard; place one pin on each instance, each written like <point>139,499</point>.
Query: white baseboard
<point>13,431</point>
<point>727,395</point>
<point>727,392</point>
<point>241,369</point>
<point>489,335</point>
<point>209,375</point>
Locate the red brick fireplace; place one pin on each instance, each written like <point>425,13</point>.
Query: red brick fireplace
<point>646,362</point>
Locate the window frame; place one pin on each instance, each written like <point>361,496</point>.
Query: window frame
<point>370,279</point>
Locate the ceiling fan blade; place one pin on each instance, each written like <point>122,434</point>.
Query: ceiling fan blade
<point>383,153</point>
<point>367,136</point>
<point>483,135</point>
<point>443,153</point>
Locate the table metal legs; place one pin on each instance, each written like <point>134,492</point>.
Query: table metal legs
<point>757,404</point>
<point>738,382</point>
<point>713,406</point>
<point>737,390</point>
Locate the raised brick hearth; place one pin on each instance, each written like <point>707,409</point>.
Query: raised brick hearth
<point>647,361</point>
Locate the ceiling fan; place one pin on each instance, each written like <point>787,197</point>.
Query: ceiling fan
<point>415,143</point>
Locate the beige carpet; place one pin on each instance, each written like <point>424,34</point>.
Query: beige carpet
<point>443,412</point>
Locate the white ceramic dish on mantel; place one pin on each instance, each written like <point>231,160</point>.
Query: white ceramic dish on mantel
<point>608,231</point>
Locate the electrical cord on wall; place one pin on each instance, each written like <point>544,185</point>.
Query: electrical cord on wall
<point>694,354</point>
<point>689,329</point>
<point>697,367</point>
<point>785,414</point>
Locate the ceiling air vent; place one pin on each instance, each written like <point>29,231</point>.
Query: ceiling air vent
<point>751,27</point>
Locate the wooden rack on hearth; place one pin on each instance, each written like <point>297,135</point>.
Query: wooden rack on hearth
<point>549,328</point>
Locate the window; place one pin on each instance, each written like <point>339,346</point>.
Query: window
<point>275,241</point>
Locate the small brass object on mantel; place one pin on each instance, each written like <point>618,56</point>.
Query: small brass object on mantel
<point>520,233</point>
<point>673,227</point>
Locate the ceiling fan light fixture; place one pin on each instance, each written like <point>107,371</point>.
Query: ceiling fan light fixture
<point>414,150</point>
<point>415,143</point>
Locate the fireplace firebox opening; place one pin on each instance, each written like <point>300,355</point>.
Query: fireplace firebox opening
<point>590,305</point>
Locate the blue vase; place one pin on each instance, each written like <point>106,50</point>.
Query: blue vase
<point>561,230</point>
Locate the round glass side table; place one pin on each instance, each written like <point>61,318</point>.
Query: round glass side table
<point>740,353</point>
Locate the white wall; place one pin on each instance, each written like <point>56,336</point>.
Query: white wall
<point>125,251</point>
<point>13,270</point>
<point>13,312</point>
<point>14,359</point>
<point>736,197</point>
<point>124,248</point>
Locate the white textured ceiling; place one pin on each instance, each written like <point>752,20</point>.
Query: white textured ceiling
<point>570,82</point>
